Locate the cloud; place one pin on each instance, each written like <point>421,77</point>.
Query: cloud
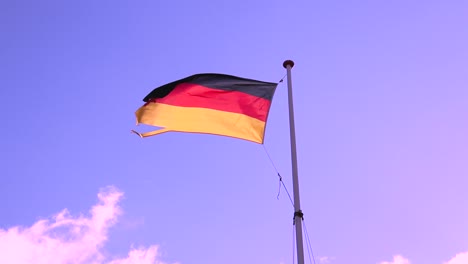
<point>325,259</point>
<point>397,260</point>
<point>461,258</point>
<point>65,239</point>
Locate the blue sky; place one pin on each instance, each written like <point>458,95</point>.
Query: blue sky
<point>380,103</point>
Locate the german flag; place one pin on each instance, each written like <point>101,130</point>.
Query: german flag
<point>209,103</point>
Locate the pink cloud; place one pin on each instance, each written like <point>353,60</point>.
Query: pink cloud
<point>397,260</point>
<point>74,240</point>
<point>325,259</point>
<point>461,258</point>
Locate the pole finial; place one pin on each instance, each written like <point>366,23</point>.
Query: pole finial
<point>288,62</point>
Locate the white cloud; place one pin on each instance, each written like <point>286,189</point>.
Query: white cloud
<point>65,239</point>
<point>397,260</point>
<point>325,259</point>
<point>140,256</point>
<point>461,258</point>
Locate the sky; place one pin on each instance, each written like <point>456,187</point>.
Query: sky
<point>380,101</point>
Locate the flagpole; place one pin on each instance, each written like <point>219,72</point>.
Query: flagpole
<point>298,215</point>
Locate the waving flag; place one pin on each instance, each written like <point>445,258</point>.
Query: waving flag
<point>209,103</point>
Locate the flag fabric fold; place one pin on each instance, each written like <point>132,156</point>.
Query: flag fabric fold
<point>209,103</point>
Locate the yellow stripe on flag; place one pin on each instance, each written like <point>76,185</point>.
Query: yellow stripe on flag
<point>200,120</point>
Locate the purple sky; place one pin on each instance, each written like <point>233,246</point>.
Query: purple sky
<point>381,121</point>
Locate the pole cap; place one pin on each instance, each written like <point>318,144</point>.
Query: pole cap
<point>288,62</point>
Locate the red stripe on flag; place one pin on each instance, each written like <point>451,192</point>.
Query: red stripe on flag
<point>194,95</point>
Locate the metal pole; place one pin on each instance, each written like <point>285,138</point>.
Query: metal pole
<point>288,64</point>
